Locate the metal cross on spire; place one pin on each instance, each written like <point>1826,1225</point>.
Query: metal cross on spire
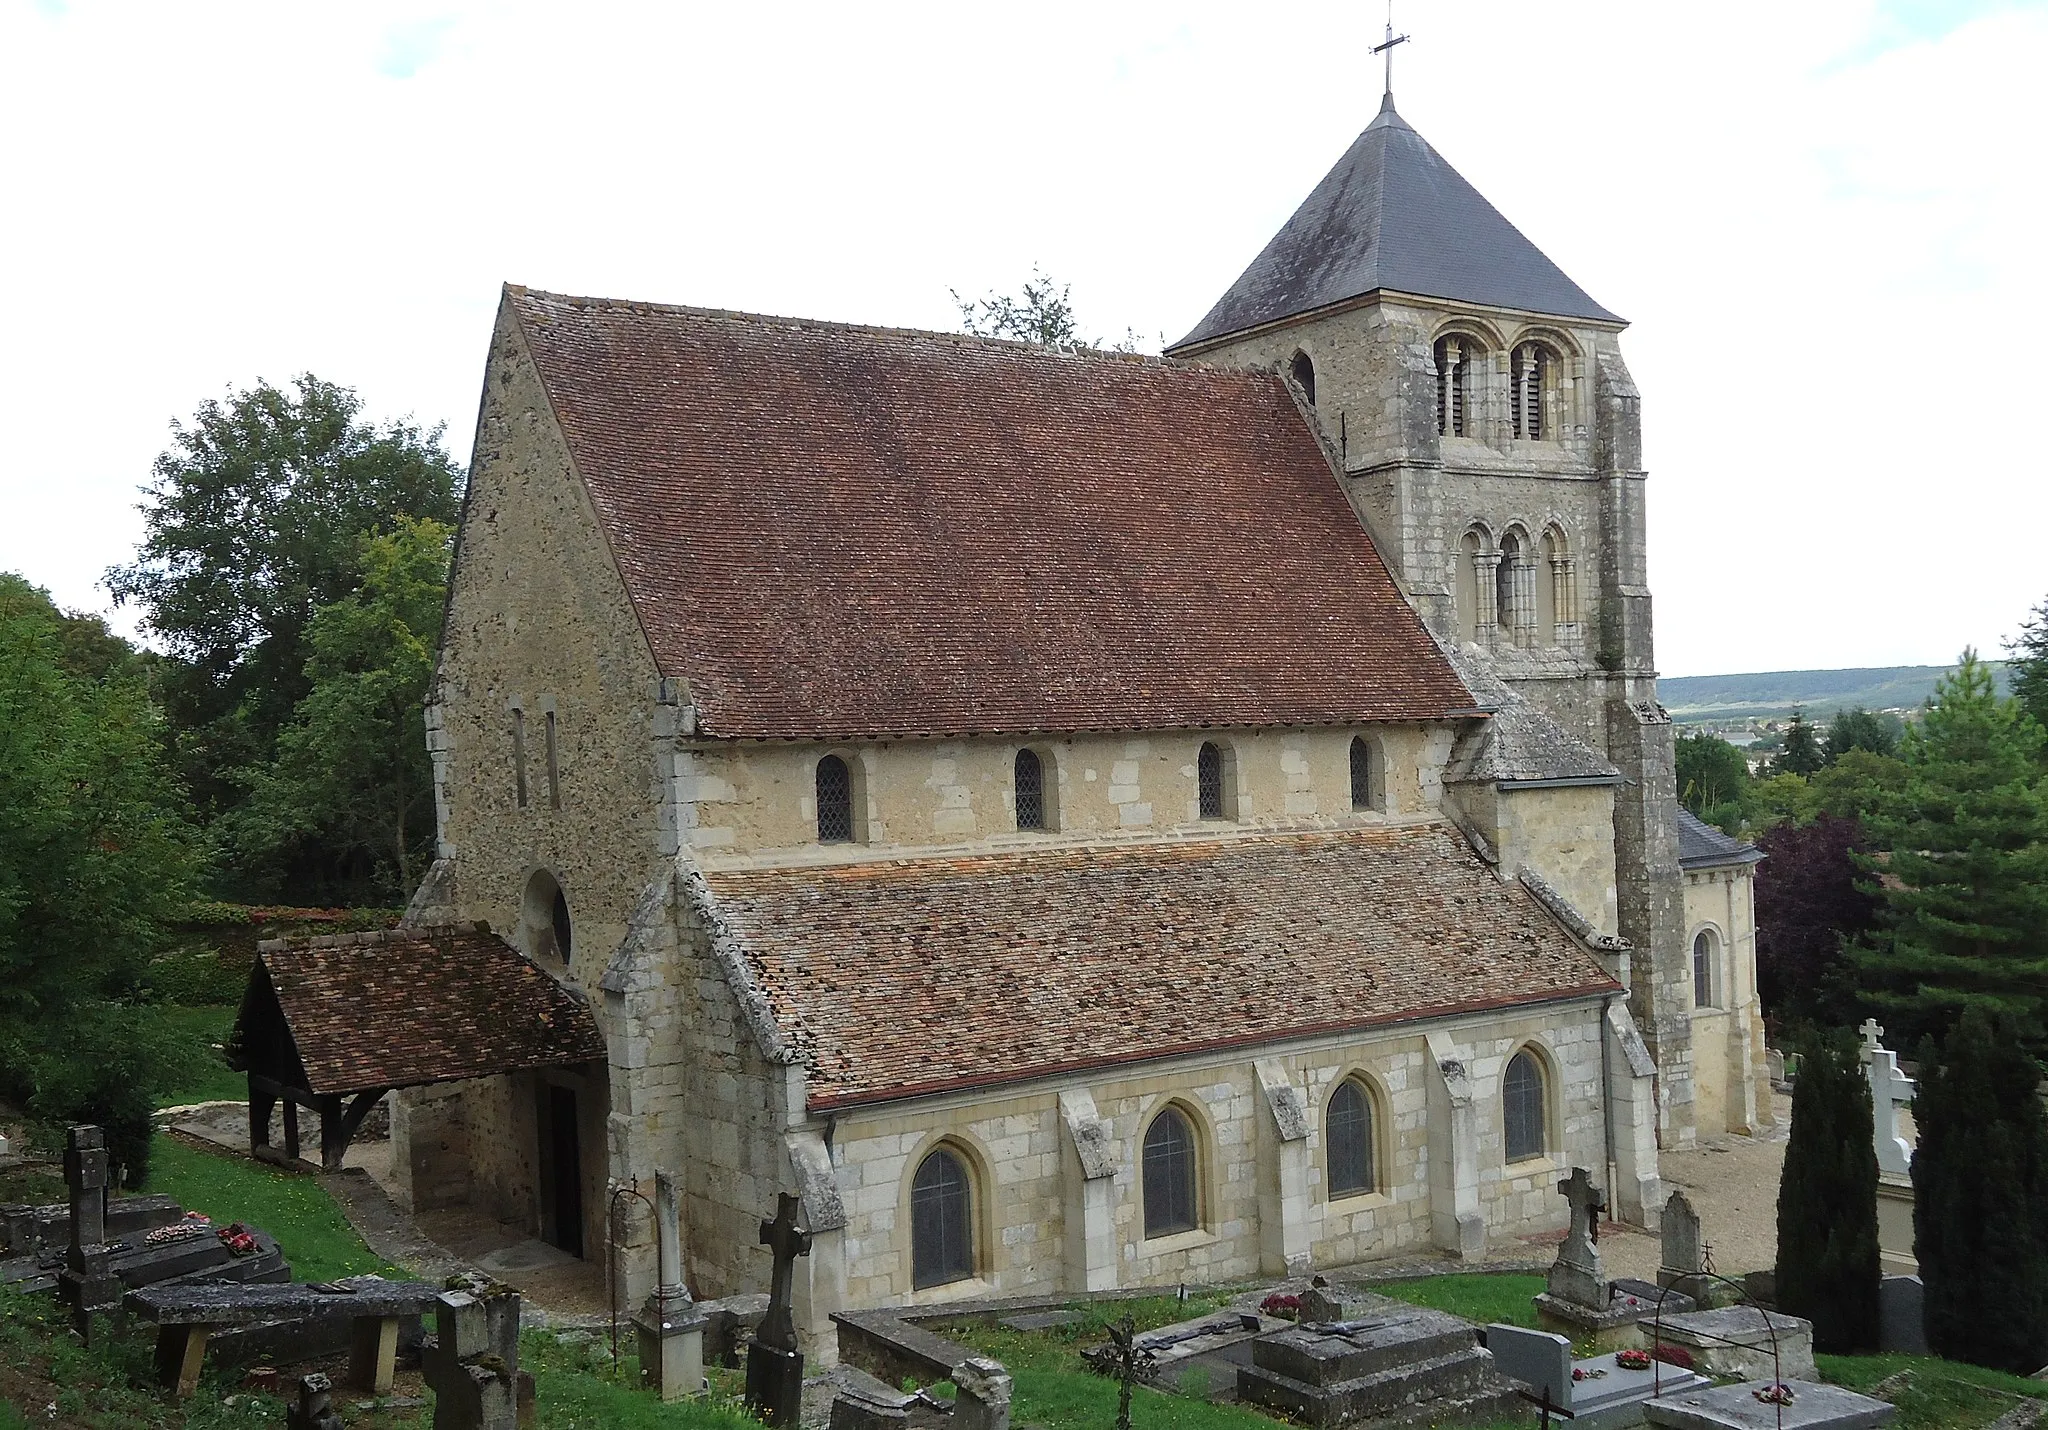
<point>1386,48</point>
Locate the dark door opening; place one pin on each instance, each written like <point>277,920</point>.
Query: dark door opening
<point>561,1171</point>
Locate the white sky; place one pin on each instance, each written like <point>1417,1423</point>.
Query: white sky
<point>1824,221</point>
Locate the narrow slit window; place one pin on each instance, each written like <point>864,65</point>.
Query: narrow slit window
<point>554,770</point>
<point>1364,778</point>
<point>835,801</point>
<point>519,754</point>
<point>1209,780</point>
<point>1703,969</point>
<point>1029,778</point>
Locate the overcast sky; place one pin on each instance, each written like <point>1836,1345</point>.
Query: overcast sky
<point>1824,221</point>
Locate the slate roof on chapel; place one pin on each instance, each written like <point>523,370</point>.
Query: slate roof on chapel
<point>904,978</point>
<point>843,532</point>
<point>1701,846</point>
<point>413,1006</point>
<point>1393,214</point>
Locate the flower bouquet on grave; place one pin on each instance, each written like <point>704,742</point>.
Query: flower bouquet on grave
<point>237,1239</point>
<point>1282,1305</point>
<point>1776,1393</point>
<point>194,1225</point>
<point>1673,1355</point>
<point>1632,1359</point>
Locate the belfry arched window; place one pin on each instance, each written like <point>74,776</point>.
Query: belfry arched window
<point>1557,590</point>
<point>1169,1171</point>
<point>1303,371</point>
<point>941,1220</point>
<point>1348,1141</point>
<point>1532,388</point>
<point>1028,777</point>
<point>835,801</point>
<point>1454,372</point>
<point>1522,1108</point>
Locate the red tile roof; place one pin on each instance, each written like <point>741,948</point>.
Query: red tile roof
<point>415,1006</point>
<point>833,531</point>
<point>901,978</point>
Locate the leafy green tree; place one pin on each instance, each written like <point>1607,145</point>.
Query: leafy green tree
<point>1042,313</point>
<point>1860,729</point>
<point>96,860</point>
<point>1802,754</point>
<point>2027,668</point>
<point>1856,783</point>
<point>1713,779</point>
<point>1980,1197</point>
<point>1779,799</point>
<point>1965,875</point>
<point>253,522</point>
<point>351,775</point>
<point>1828,1266</point>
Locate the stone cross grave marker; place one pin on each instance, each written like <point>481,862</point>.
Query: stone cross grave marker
<point>1576,1276</point>
<point>775,1367</point>
<point>670,1328</point>
<point>1890,1090</point>
<point>87,1282</point>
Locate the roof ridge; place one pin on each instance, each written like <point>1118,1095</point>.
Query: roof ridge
<point>1083,352</point>
<point>405,933</point>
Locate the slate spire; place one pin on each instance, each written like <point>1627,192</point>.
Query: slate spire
<point>1394,215</point>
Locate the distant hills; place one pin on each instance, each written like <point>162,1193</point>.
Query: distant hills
<point>1766,695</point>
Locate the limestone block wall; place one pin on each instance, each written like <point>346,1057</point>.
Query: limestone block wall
<point>539,621</point>
<point>1021,1159</point>
<point>1564,833</point>
<point>758,801</point>
<point>1731,1079</point>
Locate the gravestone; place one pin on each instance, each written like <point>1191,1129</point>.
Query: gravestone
<point>1578,1301</point>
<point>1595,1392</point>
<point>1901,1316</point>
<point>87,1283</point>
<point>1736,1407</point>
<point>1388,1359</point>
<point>669,1327</point>
<point>315,1408</point>
<point>1684,1255</point>
<point>472,1360</point>
<point>775,1367</point>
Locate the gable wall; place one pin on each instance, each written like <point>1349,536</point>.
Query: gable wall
<point>538,614</point>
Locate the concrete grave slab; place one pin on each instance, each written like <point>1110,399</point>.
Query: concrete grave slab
<point>1735,1407</point>
<point>1740,1341</point>
<point>1597,1392</point>
<point>1394,1359</point>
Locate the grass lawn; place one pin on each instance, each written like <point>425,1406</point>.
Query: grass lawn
<point>293,1207</point>
<point>1931,1393</point>
<point>209,1079</point>
<point>1479,1298</point>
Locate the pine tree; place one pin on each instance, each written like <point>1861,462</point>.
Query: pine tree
<point>1965,872</point>
<point>1828,1266</point>
<point>1803,754</point>
<point>1980,1198</point>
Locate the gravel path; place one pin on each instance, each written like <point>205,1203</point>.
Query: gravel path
<point>1732,1182</point>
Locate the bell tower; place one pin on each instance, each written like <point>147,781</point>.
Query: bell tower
<point>1489,436</point>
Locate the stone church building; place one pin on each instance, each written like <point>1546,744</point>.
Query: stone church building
<point>1081,820</point>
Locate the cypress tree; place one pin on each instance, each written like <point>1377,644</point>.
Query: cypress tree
<point>1965,878</point>
<point>1828,1266</point>
<point>1980,1198</point>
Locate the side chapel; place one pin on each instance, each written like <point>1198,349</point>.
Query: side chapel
<point>1080,820</point>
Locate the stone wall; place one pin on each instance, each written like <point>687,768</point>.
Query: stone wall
<point>1022,1158</point>
<point>1731,1079</point>
<point>758,801</point>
